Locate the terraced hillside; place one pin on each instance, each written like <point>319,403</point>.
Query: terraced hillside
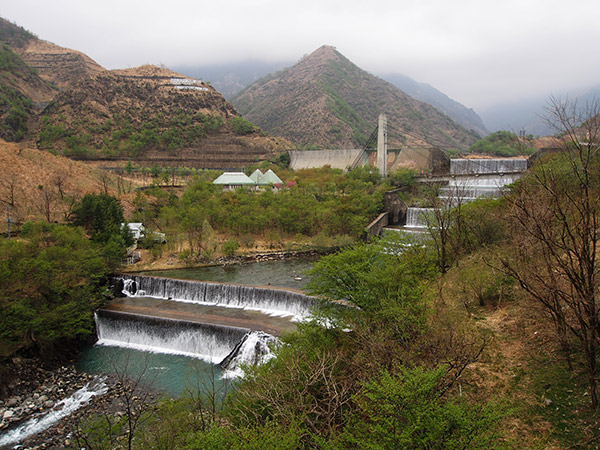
<point>152,113</point>
<point>57,65</point>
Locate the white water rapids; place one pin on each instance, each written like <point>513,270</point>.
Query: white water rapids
<point>62,409</point>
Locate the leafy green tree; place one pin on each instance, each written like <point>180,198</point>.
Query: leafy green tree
<point>404,410</point>
<point>50,283</point>
<point>383,283</point>
<point>241,126</point>
<point>101,215</point>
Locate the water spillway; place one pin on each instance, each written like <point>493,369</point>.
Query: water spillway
<point>487,166</point>
<point>419,217</point>
<point>273,301</point>
<point>199,340</point>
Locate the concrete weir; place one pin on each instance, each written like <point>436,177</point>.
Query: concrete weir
<point>226,324</point>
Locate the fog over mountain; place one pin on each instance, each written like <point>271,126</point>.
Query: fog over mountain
<point>530,114</point>
<point>477,53</point>
<point>231,78</point>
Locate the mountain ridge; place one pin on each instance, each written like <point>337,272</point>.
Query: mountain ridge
<point>326,96</point>
<point>57,65</point>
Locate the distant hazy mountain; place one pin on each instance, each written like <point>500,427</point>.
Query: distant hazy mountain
<point>326,101</point>
<point>229,79</point>
<point>428,94</point>
<point>529,115</point>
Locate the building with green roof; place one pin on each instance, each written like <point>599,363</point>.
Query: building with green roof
<point>233,180</point>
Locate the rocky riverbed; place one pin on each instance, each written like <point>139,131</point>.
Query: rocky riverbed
<point>37,392</point>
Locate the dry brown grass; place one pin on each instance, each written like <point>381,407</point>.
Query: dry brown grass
<point>519,336</point>
<point>32,179</point>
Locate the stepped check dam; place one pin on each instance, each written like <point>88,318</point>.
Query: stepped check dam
<point>215,322</point>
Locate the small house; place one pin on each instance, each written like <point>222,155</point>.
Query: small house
<point>233,180</point>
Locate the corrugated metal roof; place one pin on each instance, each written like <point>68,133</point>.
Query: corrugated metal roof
<point>234,178</point>
<point>269,178</point>
<point>256,176</point>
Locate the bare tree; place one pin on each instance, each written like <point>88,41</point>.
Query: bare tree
<point>10,183</point>
<point>60,179</point>
<point>46,200</point>
<point>555,219</point>
<point>444,223</point>
<point>134,399</point>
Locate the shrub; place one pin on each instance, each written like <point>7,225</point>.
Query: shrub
<point>230,247</point>
<point>241,126</point>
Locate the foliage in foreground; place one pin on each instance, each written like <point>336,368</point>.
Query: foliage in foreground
<point>50,284</point>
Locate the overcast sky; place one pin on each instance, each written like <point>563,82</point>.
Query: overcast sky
<point>478,52</point>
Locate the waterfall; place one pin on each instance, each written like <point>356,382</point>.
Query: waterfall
<point>418,217</point>
<point>62,409</point>
<point>271,301</point>
<point>253,349</point>
<point>482,166</point>
<point>199,340</point>
<point>468,192</point>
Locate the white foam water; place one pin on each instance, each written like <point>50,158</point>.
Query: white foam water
<point>253,350</point>
<point>62,409</point>
<point>275,302</point>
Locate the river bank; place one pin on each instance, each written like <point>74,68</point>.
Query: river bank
<point>171,261</point>
<point>56,397</point>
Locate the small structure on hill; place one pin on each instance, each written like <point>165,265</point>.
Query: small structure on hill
<point>233,180</point>
<point>137,230</point>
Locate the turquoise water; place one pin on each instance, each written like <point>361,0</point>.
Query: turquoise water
<point>175,375</point>
<point>288,273</point>
<point>172,375</point>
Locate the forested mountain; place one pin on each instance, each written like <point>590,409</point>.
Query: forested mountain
<point>326,101</point>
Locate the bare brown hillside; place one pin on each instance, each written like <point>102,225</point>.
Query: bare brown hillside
<point>37,185</point>
<point>152,113</point>
<point>58,65</point>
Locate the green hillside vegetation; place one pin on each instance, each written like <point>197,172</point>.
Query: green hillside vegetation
<point>15,107</point>
<point>120,137</point>
<point>428,355</point>
<point>326,207</point>
<point>504,144</point>
<point>52,279</point>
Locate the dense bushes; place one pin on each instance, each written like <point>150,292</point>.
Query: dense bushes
<point>51,278</point>
<point>503,143</point>
<point>49,287</point>
<point>122,136</point>
<point>324,202</point>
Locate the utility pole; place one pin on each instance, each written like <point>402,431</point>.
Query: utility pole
<point>8,220</point>
<point>382,145</point>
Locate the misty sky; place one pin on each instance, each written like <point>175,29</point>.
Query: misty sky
<point>478,52</point>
